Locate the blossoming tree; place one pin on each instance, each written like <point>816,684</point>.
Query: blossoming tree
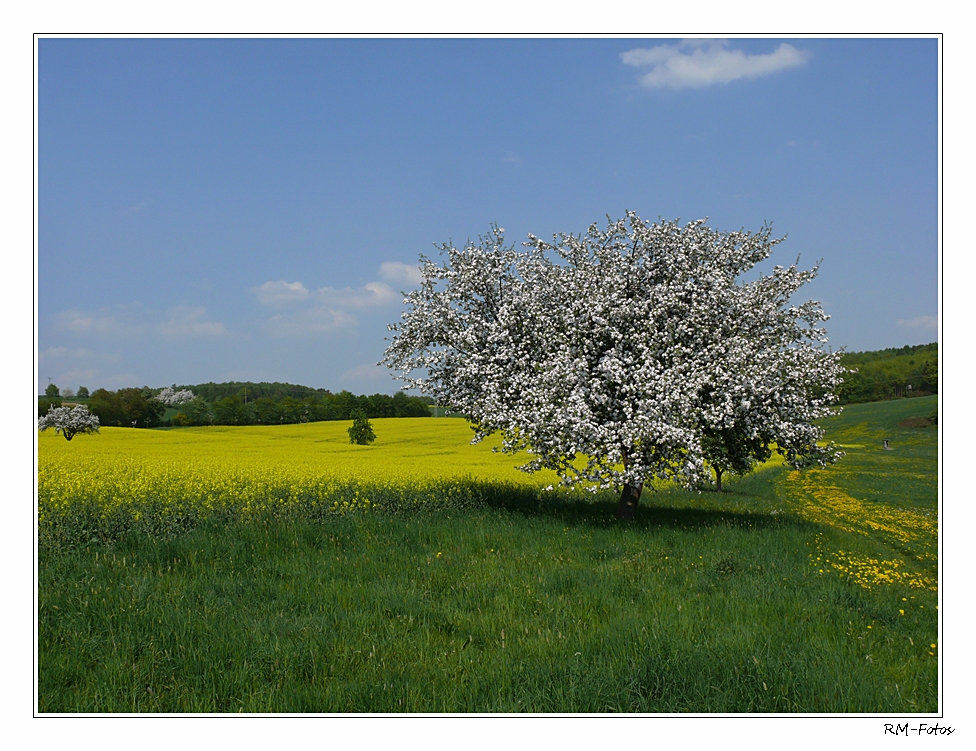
<point>69,422</point>
<point>172,398</point>
<point>624,354</point>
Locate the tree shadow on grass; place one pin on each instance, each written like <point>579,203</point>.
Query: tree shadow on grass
<point>600,510</point>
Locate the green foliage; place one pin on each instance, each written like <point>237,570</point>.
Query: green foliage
<point>890,374</point>
<point>82,392</point>
<point>195,412</point>
<point>231,410</point>
<point>238,403</point>
<point>126,408</point>
<point>276,391</point>
<point>281,403</point>
<point>733,451</point>
<point>361,431</point>
<point>52,391</point>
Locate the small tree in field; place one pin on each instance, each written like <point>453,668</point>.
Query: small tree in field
<point>625,354</point>
<point>52,391</point>
<point>361,431</point>
<point>69,422</point>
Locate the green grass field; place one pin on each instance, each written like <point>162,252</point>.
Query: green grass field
<point>791,592</point>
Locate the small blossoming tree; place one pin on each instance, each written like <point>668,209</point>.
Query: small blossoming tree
<point>69,422</point>
<point>624,354</point>
<point>172,398</point>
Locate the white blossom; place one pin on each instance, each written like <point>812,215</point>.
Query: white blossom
<point>622,354</point>
<point>173,398</point>
<point>69,422</point>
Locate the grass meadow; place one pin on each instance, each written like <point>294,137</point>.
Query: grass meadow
<point>284,570</point>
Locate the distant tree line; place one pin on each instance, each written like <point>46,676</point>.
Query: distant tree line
<point>881,374</point>
<point>241,408</point>
<point>239,404</point>
<point>890,373</point>
<point>214,392</point>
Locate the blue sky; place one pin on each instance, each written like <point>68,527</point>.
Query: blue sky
<point>243,209</point>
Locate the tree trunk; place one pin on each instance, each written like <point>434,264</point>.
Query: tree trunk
<point>629,498</point>
<point>718,480</point>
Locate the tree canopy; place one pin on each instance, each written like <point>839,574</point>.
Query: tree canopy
<point>623,354</point>
<point>361,430</point>
<point>69,422</point>
<point>132,407</point>
<point>890,373</point>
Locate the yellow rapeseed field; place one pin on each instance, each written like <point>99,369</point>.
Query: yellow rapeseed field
<point>247,469</point>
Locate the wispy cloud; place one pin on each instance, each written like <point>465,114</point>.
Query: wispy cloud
<point>923,323</point>
<point>103,323</point>
<point>77,377</point>
<point>122,381</point>
<point>511,158</point>
<point>317,320</point>
<point>281,292</point>
<point>64,353</point>
<point>331,309</point>
<point>187,321</point>
<point>400,273</point>
<point>696,64</point>
<point>367,296</point>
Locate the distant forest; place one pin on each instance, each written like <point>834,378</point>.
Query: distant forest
<point>239,403</point>
<point>882,374</point>
<point>890,373</point>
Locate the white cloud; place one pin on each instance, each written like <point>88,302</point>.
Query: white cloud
<point>281,292</point>
<point>102,323</point>
<point>62,353</point>
<point>328,309</point>
<point>695,64</point>
<point>367,296</point>
<point>186,321</point>
<point>78,377</point>
<point>402,273</point>
<point>319,320</point>
<point>925,323</point>
<point>511,158</point>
